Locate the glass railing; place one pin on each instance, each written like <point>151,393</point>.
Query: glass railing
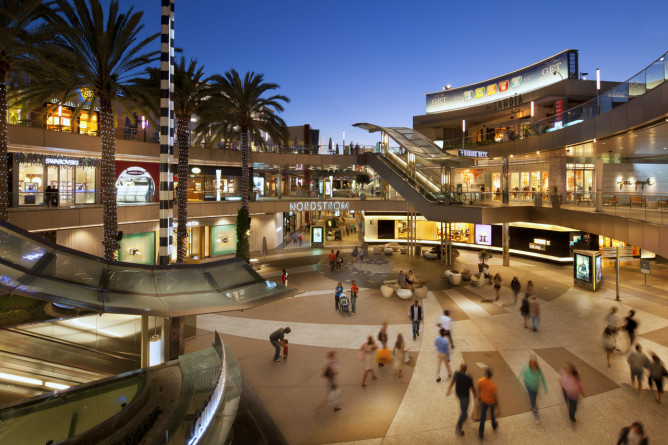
<point>649,78</point>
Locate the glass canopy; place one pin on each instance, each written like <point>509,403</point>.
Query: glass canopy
<point>33,267</point>
<point>412,140</point>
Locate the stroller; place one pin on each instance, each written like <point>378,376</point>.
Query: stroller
<point>344,304</point>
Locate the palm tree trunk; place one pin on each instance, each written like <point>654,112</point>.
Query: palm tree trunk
<point>245,191</point>
<point>108,167</point>
<point>4,195</point>
<point>182,189</point>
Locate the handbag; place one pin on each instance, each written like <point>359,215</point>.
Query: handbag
<point>384,356</point>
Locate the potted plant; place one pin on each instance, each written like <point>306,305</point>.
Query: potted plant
<point>556,198</point>
<point>362,180</point>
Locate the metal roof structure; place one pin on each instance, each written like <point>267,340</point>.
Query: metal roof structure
<point>33,267</point>
<point>411,140</point>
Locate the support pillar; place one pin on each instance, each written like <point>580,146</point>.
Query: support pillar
<point>278,182</point>
<point>505,235</point>
<point>145,349</point>
<point>505,197</point>
<point>598,184</point>
<point>177,344</point>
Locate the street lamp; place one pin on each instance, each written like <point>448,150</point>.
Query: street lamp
<point>557,72</point>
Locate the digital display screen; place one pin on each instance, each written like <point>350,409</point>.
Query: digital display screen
<point>599,276</point>
<point>483,234</point>
<point>316,235</point>
<point>582,267</point>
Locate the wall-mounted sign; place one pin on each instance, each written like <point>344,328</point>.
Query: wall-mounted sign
<point>518,82</point>
<point>319,206</point>
<point>483,234</point>
<point>61,161</point>
<point>472,153</point>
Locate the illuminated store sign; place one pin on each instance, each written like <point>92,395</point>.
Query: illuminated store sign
<point>503,87</point>
<point>539,244</point>
<point>472,153</point>
<point>61,161</point>
<point>319,206</point>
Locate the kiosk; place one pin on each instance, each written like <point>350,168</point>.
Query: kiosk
<point>317,236</point>
<point>587,269</point>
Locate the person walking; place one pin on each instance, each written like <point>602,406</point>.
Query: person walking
<point>630,326</point>
<point>361,253</point>
<point>353,296</point>
<point>337,294</point>
<point>613,321</point>
<point>398,351</point>
<point>609,343</point>
<point>276,338</point>
<point>301,238</point>
<point>445,322</point>
<point>333,397</point>
<point>332,261</point>
<point>443,349</point>
<point>338,260</point>
<point>497,285</point>
<point>656,374</point>
<point>488,401</point>
<point>47,196</point>
<point>382,338</point>
<point>533,376</point>
<point>355,253</point>
<point>637,363</point>
<point>515,286</point>
<point>529,288</point>
<point>463,384</point>
<point>369,349</point>
<point>415,316</point>
<point>534,311</point>
<point>571,386</point>
<point>633,435</point>
<point>284,277</point>
<point>524,309</point>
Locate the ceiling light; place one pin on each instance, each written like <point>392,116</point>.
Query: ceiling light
<point>17,378</point>
<point>55,385</point>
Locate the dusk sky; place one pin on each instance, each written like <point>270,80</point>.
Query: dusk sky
<point>373,61</point>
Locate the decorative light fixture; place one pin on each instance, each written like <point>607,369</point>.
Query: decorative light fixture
<point>196,170</point>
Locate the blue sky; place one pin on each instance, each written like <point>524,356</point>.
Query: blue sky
<point>344,62</point>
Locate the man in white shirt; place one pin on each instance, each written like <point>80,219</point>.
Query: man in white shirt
<point>445,322</point>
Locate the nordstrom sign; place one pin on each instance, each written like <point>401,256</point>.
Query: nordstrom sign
<point>318,205</point>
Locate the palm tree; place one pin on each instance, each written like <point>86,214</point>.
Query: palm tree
<point>190,90</point>
<point>102,55</point>
<point>237,103</point>
<point>16,19</point>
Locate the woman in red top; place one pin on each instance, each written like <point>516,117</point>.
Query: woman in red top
<point>353,294</point>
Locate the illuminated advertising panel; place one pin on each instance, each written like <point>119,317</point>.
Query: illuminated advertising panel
<point>483,234</point>
<point>510,85</point>
<point>582,267</point>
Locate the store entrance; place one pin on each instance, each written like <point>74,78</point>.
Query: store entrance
<point>62,178</point>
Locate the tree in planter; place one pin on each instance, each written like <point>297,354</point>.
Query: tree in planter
<point>362,180</point>
<point>98,54</point>
<point>556,197</point>
<point>243,229</point>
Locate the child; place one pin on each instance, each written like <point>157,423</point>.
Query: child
<point>353,295</point>
<point>285,277</point>
<point>285,349</point>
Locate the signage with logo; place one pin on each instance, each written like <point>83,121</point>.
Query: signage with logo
<point>483,234</point>
<point>136,181</point>
<point>61,161</point>
<point>301,206</point>
<point>472,153</point>
<point>521,81</point>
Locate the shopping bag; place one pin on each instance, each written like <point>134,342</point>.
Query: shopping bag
<point>475,415</point>
<point>384,356</point>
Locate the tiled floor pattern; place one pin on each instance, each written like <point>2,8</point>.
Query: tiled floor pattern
<point>414,409</point>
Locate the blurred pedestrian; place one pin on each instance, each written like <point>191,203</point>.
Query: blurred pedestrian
<point>382,338</point>
<point>487,396</point>
<point>609,343</point>
<point>284,277</point>
<point>515,286</point>
<point>339,260</point>
<point>534,311</point>
<point>369,349</point>
<point>353,296</point>
<point>415,316</point>
<point>276,338</point>
<point>533,376</point>
<point>529,288</point>
<point>633,435</point>
<point>332,261</point>
<point>630,326</point>
<point>524,309</point>
<point>445,322</point>
<point>637,363</point>
<point>443,350</point>
<point>361,253</point>
<point>301,238</point>
<point>337,294</point>
<point>334,392</point>
<point>497,285</point>
<point>657,372</point>
<point>285,349</point>
<point>571,386</point>
<point>355,253</point>
<point>613,321</point>
<point>463,385</point>
<point>398,351</point>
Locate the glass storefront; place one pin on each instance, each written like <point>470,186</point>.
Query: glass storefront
<point>62,119</point>
<point>206,183</point>
<point>55,180</point>
<point>579,181</point>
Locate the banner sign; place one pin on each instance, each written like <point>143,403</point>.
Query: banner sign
<point>503,87</point>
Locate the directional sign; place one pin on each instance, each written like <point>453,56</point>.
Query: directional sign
<point>611,252</point>
<point>644,266</point>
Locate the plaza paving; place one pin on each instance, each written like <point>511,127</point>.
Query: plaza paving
<point>414,408</point>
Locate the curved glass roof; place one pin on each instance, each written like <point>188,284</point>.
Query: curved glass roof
<point>412,140</point>
<point>33,267</point>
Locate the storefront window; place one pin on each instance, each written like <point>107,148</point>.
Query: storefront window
<point>88,123</point>
<point>515,185</point>
<point>462,232</point>
<point>60,120</point>
<point>579,181</point>
<point>546,185</point>
<point>535,181</point>
<point>85,185</point>
<point>496,185</point>
<point>55,180</point>
<point>31,186</point>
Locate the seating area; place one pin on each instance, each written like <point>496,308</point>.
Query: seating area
<point>453,276</point>
<point>637,200</point>
<point>478,280</point>
<point>611,201</point>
